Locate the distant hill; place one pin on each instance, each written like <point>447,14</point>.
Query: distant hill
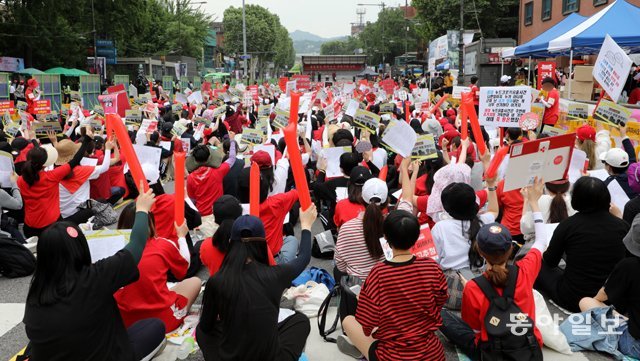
<point>307,43</point>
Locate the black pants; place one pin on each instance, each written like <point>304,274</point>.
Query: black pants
<point>81,216</point>
<point>292,334</point>
<point>116,194</point>
<point>35,232</point>
<point>547,284</point>
<point>146,336</point>
<point>460,334</point>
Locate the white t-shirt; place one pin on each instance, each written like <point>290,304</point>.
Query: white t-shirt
<point>451,238</point>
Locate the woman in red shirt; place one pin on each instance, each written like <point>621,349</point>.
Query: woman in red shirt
<point>212,251</point>
<point>39,188</point>
<point>149,296</point>
<point>494,244</point>
<point>350,207</point>
<point>551,103</point>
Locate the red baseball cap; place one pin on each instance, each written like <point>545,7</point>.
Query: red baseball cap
<point>262,158</point>
<point>586,132</point>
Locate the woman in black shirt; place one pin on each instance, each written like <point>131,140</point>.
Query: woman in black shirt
<point>590,242</point>
<point>71,313</point>
<point>241,302</point>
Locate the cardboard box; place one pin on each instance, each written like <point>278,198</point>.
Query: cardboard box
<point>583,73</point>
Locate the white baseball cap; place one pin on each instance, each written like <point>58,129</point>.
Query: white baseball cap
<point>505,78</point>
<point>375,190</point>
<point>615,157</point>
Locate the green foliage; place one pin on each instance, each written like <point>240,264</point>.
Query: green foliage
<point>496,18</point>
<point>49,33</point>
<point>267,39</point>
<point>387,36</point>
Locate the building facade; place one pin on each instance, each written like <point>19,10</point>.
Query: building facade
<point>536,16</point>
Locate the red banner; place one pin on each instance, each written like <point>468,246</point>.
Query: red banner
<point>303,82</point>
<point>424,247</point>
<point>254,92</point>
<point>42,106</point>
<point>332,67</point>
<point>282,83</point>
<point>6,106</point>
<point>546,69</point>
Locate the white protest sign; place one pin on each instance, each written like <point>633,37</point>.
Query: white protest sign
<point>348,88</point>
<point>106,243</point>
<point>352,108</point>
<point>458,90</point>
<point>546,158</point>
<point>367,120</point>
<point>400,137</point>
<point>6,169</point>
<point>612,68</point>
<point>341,193</point>
<point>503,106</point>
<point>424,148</point>
<point>181,98</point>
<point>291,86</point>
<point>576,166</point>
<point>329,112</point>
<point>195,97</point>
<point>148,155</point>
<point>91,162</point>
<point>618,195</point>
<point>332,155</point>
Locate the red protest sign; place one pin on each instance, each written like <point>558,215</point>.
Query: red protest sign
<point>42,106</point>
<point>6,106</point>
<point>115,88</point>
<point>546,69</point>
<point>424,247</point>
<point>388,85</point>
<point>115,103</point>
<point>253,89</point>
<point>206,86</point>
<point>303,82</point>
<point>282,83</point>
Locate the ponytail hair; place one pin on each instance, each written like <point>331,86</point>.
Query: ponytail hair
<point>372,226</point>
<point>31,168</point>
<point>558,211</point>
<point>475,260</point>
<point>589,146</point>
<point>222,236</point>
<point>498,273</point>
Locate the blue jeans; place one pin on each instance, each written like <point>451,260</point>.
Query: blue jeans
<point>289,250</point>
<point>627,344</point>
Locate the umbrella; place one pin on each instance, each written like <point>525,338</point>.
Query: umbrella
<point>366,72</point>
<point>30,71</point>
<point>78,72</point>
<point>66,72</point>
<point>216,75</point>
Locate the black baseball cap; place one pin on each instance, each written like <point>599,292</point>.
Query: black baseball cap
<point>247,226</point>
<point>493,238</point>
<point>359,175</point>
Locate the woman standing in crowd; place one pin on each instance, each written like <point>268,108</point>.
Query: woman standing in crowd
<point>71,313</point>
<point>241,302</point>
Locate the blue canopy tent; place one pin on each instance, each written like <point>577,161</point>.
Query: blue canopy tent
<point>619,20</point>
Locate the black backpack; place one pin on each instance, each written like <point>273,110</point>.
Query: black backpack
<point>15,259</point>
<point>510,331</point>
<point>346,301</point>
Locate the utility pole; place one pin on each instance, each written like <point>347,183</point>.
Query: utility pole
<point>95,41</point>
<point>244,41</point>
<point>461,46</point>
<point>381,5</point>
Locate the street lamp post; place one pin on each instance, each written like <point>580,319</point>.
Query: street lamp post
<point>461,46</point>
<point>244,40</point>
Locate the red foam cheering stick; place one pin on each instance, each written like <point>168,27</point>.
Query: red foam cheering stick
<point>293,109</point>
<point>179,158</point>
<point>495,162</point>
<point>439,103</point>
<point>383,173</point>
<point>475,128</point>
<point>291,138</point>
<point>464,118</point>
<point>407,111</point>
<point>254,190</point>
<point>127,150</point>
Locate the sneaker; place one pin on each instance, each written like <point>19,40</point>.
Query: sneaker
<point>346,347</point>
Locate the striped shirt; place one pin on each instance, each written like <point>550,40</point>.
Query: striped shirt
<point>351,254</point>
<point>404,300</point>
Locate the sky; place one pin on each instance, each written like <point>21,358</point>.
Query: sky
<point>326,18</point>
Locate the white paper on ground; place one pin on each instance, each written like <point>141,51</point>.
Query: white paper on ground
<point>618,195</point>
<point>106,243</point>
<point>576,165</point>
